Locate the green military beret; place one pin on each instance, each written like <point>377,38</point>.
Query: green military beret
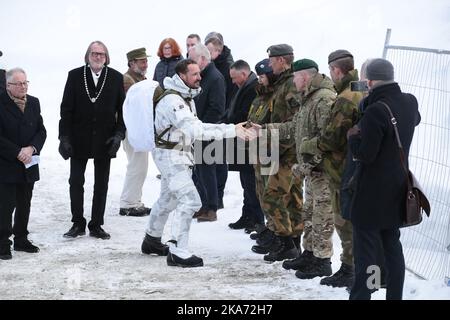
<point>280,50</point>
<point>304,64</point>
<point>137,54</point>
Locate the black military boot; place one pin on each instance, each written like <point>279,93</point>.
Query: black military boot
<point>286,250</point>
<point>153,245</point>
<point>242,223</point>
<point>342,278</point>
<point>320,267</point>
<point>191,262</point>
<point>302,260</point>
<point>264,242</point>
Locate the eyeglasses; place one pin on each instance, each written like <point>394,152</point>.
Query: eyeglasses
<point>98,54</point>
<point>20,84</point>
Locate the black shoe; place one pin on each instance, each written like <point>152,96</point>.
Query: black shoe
<point>5,253</point>
<point>135,212</point>
<point>242,223</point>
<point>23,244</point>
<point>259,228</point>
<point>191,262</point>
<point>319,267</point>
<point>343,278</point>
<point>294,264</point>
<point>99,233</point>
<point>153,245</point>
<point>158,176</point>
<point>74,232</point>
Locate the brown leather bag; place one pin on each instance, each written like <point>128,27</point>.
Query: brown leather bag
<point>416,200</point>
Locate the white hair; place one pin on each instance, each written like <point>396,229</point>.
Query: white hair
<point>202,51</point>
<point>11,72</point>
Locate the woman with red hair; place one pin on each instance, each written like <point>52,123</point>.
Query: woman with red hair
<point>170,54</point>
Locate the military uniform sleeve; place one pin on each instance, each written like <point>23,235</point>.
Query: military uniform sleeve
<point>344,115</point>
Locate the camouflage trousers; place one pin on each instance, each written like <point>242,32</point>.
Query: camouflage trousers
<point>178,194</point>
<point>281,199</point>
<point>343,228</point>
<point>318,216</point>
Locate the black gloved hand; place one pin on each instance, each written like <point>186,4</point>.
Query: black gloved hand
<point>65,148</point>
<point>114,144</point>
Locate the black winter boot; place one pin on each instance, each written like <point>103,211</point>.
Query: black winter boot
<point>302,260</point>
<point>265,242</point>
<point>5,252</point>
<point>320,267</point>
<point>342,278</point>
<point>191,262</point>
<point>153,245</point>
<point>286,250</point>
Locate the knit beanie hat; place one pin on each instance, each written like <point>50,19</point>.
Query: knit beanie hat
<point>380,69</point>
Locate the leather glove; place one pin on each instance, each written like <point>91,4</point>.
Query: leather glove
<point>114,145</point>
<point>65,148</point>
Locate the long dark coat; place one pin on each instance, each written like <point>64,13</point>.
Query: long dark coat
<point>238,112</point>
<point>88,125</point>
<point>18,130</point>
<point>379,201</point>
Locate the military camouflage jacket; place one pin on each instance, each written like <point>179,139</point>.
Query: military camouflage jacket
<point>285,104</point>
<point>344,114</point>
<point>310,120</point>
<point>261,108</point>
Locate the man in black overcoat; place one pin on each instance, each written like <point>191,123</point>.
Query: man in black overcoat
<point>91,127</point>
<point>22,136</point>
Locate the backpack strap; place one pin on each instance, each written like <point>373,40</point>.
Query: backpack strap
<point>159,141</point>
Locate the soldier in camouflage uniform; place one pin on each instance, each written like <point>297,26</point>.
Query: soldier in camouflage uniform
<point>333,143</point>
<point>282,198</point>
<point>260,113</point>
<point>317,96</point>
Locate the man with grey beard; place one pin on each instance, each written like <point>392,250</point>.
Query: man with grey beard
<point>130,199</point>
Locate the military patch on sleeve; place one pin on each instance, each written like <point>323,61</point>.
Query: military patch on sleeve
<point>180,107</point>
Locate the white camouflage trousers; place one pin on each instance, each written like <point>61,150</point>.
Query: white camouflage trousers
<point>135,177</point>
<point>178,194</point>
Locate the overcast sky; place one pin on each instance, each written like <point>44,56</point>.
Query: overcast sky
<point>48,37</point>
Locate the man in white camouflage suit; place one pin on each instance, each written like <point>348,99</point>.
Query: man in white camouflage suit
<point>176,127</point>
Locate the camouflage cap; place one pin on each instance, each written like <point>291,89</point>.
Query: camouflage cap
<point>263,67</point>
<point>304,64</point>
<point>280,50</point>
<point>339,54</point>
<point>137,54</point>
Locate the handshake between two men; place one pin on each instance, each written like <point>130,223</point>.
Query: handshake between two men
<point>310,155</point>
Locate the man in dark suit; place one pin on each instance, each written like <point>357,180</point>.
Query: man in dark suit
<point>91,127</point>
<point>210,105</point>
<point>22,136</point>
<point>378,205</point>
<point>246,81</point>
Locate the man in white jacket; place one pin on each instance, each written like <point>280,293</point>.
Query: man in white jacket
<point>176,127</point>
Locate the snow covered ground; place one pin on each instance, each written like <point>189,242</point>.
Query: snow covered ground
<point>50,39</point>
<point>88,268</point>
